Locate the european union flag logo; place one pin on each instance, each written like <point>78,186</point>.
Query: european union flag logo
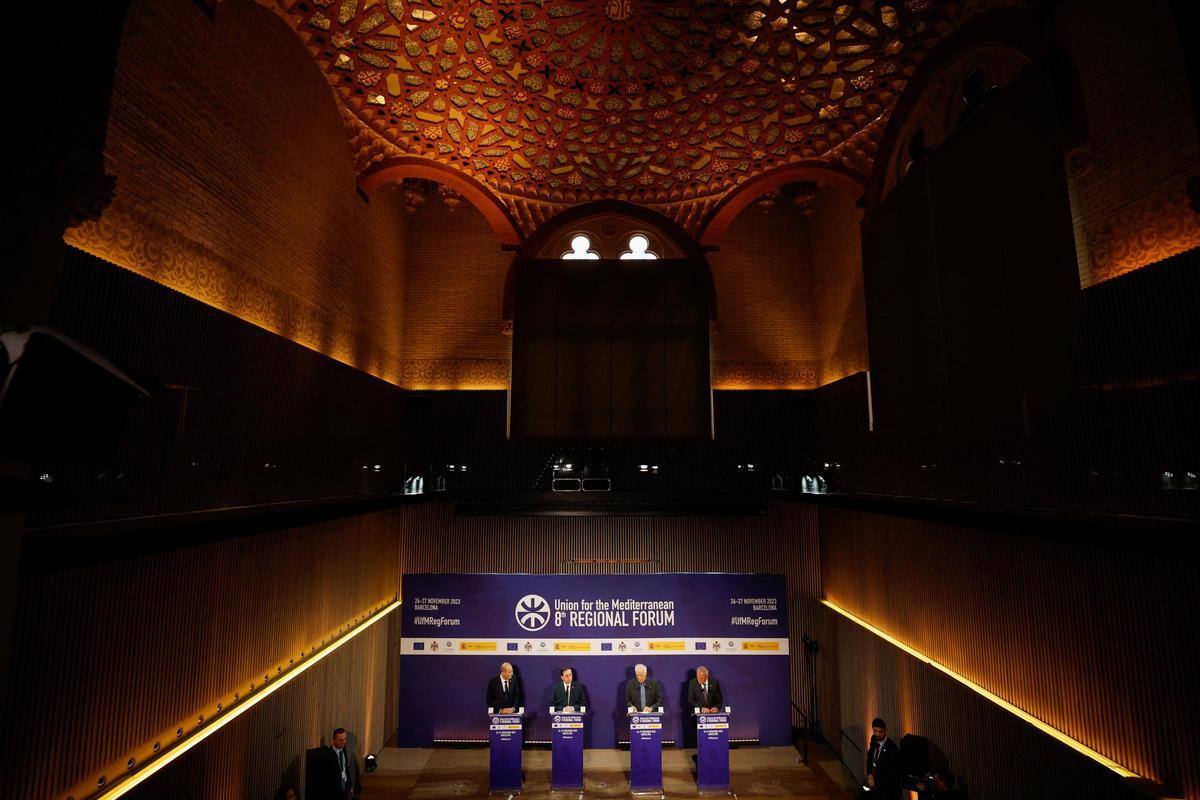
<point>606,646</point>
<point>418,645</point>
<point>701,646</point>
<point>512,646</point>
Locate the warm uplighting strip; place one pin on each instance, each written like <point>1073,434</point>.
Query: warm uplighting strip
<point>132,780</point>
<point>1000,701</point>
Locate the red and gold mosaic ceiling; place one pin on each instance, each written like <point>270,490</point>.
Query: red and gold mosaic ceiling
<point>668,103</point>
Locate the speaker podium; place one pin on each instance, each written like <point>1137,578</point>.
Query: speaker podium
<point>566,749</point>
<point>505,735</point>
<point>645,752</point>
<point>712,750</point>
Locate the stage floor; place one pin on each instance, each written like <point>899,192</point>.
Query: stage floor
<point>755,772</point>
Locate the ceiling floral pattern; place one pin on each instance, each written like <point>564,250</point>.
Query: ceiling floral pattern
<point>659,102</point>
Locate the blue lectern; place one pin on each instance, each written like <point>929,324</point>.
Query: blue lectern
<point>712,750</point>
<point>506,737</point>
<point>566,756</point>
<point>645,751</point>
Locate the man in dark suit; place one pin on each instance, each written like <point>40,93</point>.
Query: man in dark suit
<point>643,693</point>
<point>883,763</point>
<point>332,772</point>
<point>568,695</point>
<point>704,692</point>
<point>503,692</point>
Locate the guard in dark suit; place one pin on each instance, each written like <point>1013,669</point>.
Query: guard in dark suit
<point>568,695</point>
<point>641,692</point>
<point>503,692</point>
<point>883,763</point>
<point>704,692</point>
<point>332,772</point>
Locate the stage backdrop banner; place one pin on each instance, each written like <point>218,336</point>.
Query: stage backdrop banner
<point>458,628</point>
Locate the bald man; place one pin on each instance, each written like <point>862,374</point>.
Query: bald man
<point>503,693</point>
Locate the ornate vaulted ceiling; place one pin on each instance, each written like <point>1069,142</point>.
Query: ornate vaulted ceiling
<point>667,103</point>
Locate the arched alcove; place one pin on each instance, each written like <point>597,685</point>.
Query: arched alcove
<point>455,272</point>
<point>606,346</point>
<point>789,274</point>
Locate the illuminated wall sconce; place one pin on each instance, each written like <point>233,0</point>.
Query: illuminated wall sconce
<point>565,476</point>
<point>813,484</point>
<point>596,478</point>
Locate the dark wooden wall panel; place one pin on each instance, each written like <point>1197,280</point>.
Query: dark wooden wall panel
<point>630,355</point>
<point>971,259</point>
<point>687,360</point>
<point>994,377</point>
<point>639,379</point>
<point>774,430</point>
<point>535,355</point>
<point>584,355</point>
<point>902,297</point>
<point>114,654</point>
<point>1091,638</point>
<point>1001,222</point>
<point>237,415</point>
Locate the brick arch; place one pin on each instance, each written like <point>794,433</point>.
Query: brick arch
<point>394,170</point>
<point>577,216</point>
<point>734,203</point>
<point>1021,32</point>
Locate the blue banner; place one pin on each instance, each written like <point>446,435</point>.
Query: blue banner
<point>458,628</point>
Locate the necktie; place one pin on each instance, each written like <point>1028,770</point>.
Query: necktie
<point>342,764</point>
<point>704,687</point>
<point>505,683</point>
<point>643,688</point>
<point>568,693</point>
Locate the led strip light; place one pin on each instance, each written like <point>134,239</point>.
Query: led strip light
<point>127,782</point>
<point>1000,701</point>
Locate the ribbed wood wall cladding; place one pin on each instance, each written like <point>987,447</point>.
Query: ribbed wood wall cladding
<point>112,655</point>
<point>998,755</point>
<point>782,541</point>
<point>1096,641</point>
<point>263,750</point>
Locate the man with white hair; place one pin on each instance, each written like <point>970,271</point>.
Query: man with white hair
<point>704,692</point>
<point>642,693</point>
